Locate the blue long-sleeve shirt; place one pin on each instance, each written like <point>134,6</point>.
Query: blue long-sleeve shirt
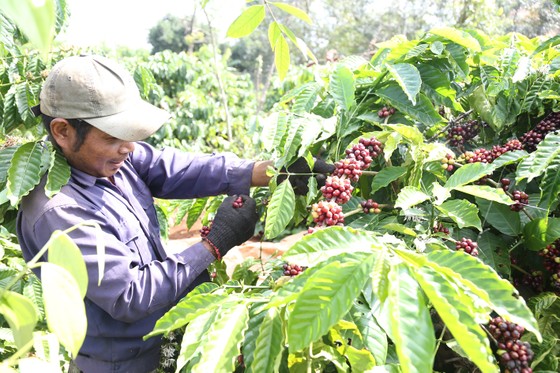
<point>141,280</point>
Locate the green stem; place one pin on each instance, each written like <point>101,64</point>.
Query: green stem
<point>370,172</point>
<point>520,269</point>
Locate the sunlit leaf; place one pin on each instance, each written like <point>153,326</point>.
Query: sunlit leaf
<point>462,212</point>
<point>282,57</point>
<point>342,88</point>
<point>293,11</point>
<point>410,196</point>
<point>280,209</point>
<point>64,307</point>
<point>223,340</point>
<point>408,78</point>
<point>247,22</point>
<point>20,314</point>
<point>415,346</point>
<point>35,18</point>
<point>325,298</point>
<point>63,252</point>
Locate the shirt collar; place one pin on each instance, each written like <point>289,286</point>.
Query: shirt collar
<point>82,178</point>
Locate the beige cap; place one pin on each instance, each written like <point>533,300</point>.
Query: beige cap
<point>102,93</point>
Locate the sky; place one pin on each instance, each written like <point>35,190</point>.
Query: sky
<point>127,22</point>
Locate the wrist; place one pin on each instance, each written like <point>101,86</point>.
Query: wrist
<point>208,245</point>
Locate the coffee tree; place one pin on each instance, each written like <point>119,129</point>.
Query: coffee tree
<point>433,245</point>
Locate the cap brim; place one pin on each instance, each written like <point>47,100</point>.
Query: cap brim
<point>137,123</point>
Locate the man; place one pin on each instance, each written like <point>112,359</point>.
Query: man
<point>94,115</point>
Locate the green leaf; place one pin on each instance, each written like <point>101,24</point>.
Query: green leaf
<point>386,176</point>
<point>549,43</point>
<point>548,152</point>
<point>195,211</point>
<point>222,344</point>
<point>480,103</point>
<point>380,276</point>
<point>274,130</point>
<point>342,87</point>
<point>410,133</point>
<point>538,233</point>
<point>58,175</point>
<point>307,97</point>
<point>486,284</point>
<point>531,98</point>
<point>282,57</point>
<point>408,78</point>
<point>10,118</point>
<point>415,346</point>
<point>268,346</point>
<point>423,111</point>
<point>373,336</point>
<point>64,307</point>
<point>550,185</point>
<point>195,335</point>
<point>410,196</point>
<point>294,139</point>
<point>33,291</point>
<point>468,174</point>
<point>293,11</point>
<point>436,84</point>
<point>63,252</point>
<point>25,172</point>
<point>509,158</point>
<point>457,36</point>
<point>500,217</point>
<point>462,212</point>
<point>487,192</point>
<point>6,156</point>
<point>330,242</point>
<point>274,33</point>
<point>190,307</point>
<point>325,299</point>
<point>256,316</point>
<point>280,209</point>
<point>451,305</point>
<point>36,19</point>
<point>21,315</point>
<point>247,22</point>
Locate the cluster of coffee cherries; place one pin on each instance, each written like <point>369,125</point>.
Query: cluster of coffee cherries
<point>370,207</point>
<point>448,162</point>
<point>205,230</point>
<point>440,228</point>
<point>489,155</point>
<point>237,203</point>
<point>533,137</point>
<point>338,186</point>
<point>514,355</point>
<point>463,132</point>
<point>292,269</point>
<point>551,255</point>
<point>385,111</point>
<point>327,213</point>
<point>467,245</point>
<point>521,200</point>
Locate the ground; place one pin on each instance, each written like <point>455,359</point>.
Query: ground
<point>181,237</point>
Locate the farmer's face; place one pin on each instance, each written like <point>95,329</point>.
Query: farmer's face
<point>100,155</point>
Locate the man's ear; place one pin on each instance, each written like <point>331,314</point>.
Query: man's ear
<point>62,132</point>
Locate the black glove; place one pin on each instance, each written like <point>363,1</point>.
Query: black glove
<point>233,225</point>
<point>299,182</point>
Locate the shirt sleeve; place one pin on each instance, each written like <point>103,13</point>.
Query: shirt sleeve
<point>128,291</point>
<point>170,173</point>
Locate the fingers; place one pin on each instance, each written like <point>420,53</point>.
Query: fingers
<point>323,167</point>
